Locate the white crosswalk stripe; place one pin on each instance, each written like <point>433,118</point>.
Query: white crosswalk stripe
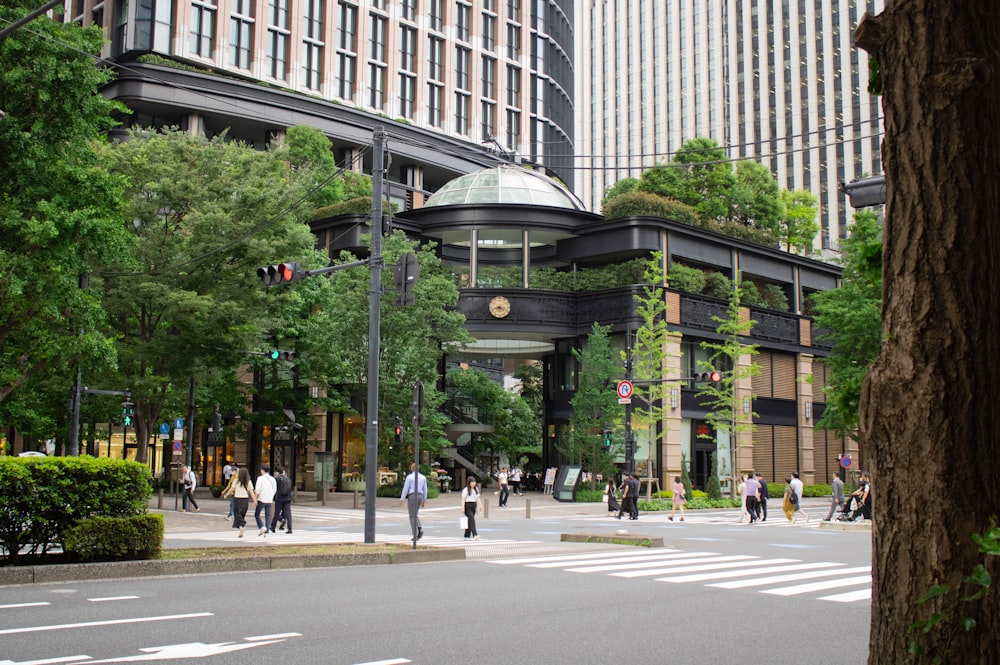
<point>313,537</point>
<point>708,568</point>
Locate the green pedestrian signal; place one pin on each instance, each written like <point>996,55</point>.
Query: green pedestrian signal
<point>128,414</point>
<point>281,354</point>
<point>607,439</point>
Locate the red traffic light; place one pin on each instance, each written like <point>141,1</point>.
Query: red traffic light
<point>282,273</point>
<point>399,430</point>
<point>707,377</point>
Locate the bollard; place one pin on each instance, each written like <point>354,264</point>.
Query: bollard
<point>324,491</point>
<point>527,509</point>
<point>159,499</point>
<point>357,503</point>
<point>486,509</point>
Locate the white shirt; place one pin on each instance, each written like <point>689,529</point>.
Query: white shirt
<point>797,488</point>
<point>470,497</point>
<point>265,488</point>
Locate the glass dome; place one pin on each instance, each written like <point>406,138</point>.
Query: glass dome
<point>513,185</point>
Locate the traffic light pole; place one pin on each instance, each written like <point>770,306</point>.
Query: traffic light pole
<point>374,333</point>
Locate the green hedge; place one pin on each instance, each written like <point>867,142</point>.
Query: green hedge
<point>42,497</point>
<point>393,491</point>
<point>114,538</point>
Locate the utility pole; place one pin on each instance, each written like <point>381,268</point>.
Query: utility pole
<point>629,435</point>
<point>374,332</point>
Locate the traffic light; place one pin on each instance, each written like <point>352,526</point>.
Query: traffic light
<point>282,273</point>
<point>707,377</point>
<point>607,439</point>
<point>404,276</point>
<point>281,354</point>
<point>398,431</point>
<point>128,414</point>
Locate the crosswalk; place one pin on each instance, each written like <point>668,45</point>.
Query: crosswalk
<point>712,569</point>
<point>306,536</point>
<point>732,519</point>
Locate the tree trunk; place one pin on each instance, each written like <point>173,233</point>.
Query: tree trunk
<point>929,409</point>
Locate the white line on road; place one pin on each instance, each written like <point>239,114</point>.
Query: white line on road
<point>761,581</point>
<point>573,557</point>
<point>47,661</point>
<point>703,577</point>
<point>394,661</point>
<point>615,562</point>
<point>691,569</point>
<point>18,605</point>
<point>670,562</point>
<point>819,586</point>
<point>279,636</point>
<point>112,622</point>
<point>851,596</point>
<point>108,598</point>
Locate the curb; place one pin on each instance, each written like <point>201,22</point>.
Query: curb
<point>639,541</point>
<point>113,570</point>
<point>845,526</point>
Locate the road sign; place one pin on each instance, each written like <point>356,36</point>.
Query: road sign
<point>164,428</point>
<point>177,448</point>
<point>624,389</point>
<point>846,461</point>
<point>179,423</point>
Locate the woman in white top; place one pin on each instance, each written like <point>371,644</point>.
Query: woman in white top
<point>470,501</point>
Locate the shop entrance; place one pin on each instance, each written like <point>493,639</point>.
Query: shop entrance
<point>283,454</point>
<point>703,454</point>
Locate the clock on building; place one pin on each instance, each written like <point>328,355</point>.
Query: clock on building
<point>499,307</point>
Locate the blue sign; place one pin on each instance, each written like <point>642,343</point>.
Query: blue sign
<point>846,461</point>
<point>164,428</point>
<point>179,423</point>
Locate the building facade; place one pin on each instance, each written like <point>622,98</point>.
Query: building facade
<point>775,81</point>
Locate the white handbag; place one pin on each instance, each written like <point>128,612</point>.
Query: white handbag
<point>463,522</point>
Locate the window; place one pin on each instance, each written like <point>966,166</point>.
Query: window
<point>435,15</point>
<point>347,71</point>
<point>513,129</point>
<point>348,27</point>
<point>489,120</point>
<point>462,68</point>
<point>462,15</point>
<point>312,43</point>
<point>407,94</point>
<point>434,95</point>
<point>202,28</point>
<point>461,113</point>
<point>377,38</point>
<point>435,58</point>
<point>513,86</point>
<point>409,9</point>
<point>513,41</point>
<point>489,31</point>
<point>277,39</point>
<point>376,86</point>
<point>407,49</point>
<point>240,33</point>
<point>489,77</point>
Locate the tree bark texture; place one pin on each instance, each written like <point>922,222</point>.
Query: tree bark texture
<point>930,408</point>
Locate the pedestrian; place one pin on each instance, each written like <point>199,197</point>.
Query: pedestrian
<point>798,487</point>
<point>626,488</point>
<point>788,500</point>
<point>190,480</point>
<point>241,489</point>
<point>837,500</point>
<point>762,500</point>
<point>753,496</point>
<point>234,474</point>
<point>633,496</point>
<point>504,487</point>
<point>864,497</point>
<point>265,488</point>
<point>415,494</point>
<point>741,492</point>
<point>515,480</point>
<point>611,492</point>
<point>679,498</point>
<point>470,502</point>
<point>282,501</point>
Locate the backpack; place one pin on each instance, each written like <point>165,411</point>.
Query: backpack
<point>284,485</point>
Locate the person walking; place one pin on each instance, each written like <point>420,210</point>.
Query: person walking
<point>752,495</point>
<point>611,492</point>
<point>679,498</point>
<point>837,498</point>
<point>741,492</point>
<point>797,486</point>
<point>626,505</point>
<point>241,489</point>
<point>229,473</point>
<point>515,480</point>
<point>633,495</point>
<point>762,499</point>
<point>282,501</point>
<point>190,480</point>
<point>470,502</point>
<point>504,487</point>
<point>265,488</point>
<point>788,500</point>
<point>415,495</point>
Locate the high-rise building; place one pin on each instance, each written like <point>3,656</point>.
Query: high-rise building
<point>467,76</point>
<point>775,81</point>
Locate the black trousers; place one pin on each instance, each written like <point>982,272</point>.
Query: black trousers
<point>470,512</point>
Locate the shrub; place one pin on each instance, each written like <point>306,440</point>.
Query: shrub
<point>589,496</point>
<point>114,538</point>
<point>361,205</point>
<point>686,278</point>
<point>718,286</point>
<point>751,295</point>
<point>393,491</point>
<point>819,490</point>
<point>646,204</point>
<point>775,297</point>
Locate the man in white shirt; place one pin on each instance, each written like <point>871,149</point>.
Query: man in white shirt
<point>190,481</point>
<point>415,494</point>
<point>265,488</point>
<point>797,486</point>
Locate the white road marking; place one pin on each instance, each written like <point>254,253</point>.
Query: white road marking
<point>762,581</point>
<point>851,596</point>
<point>682,567</point>
<point>573,557</point>
<point>819,586</point>
<point>111,622</point>
<point>394,661</point>
<point>279,636</point>
<point>47,661</point>
<point>19,605</point>
<point>702,577</point>
<point>616,562</point>
<point>108,598</point>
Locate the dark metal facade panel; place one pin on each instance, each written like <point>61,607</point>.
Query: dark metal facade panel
<point>764,266</point>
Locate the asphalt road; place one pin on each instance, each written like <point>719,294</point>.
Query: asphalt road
<point>718,592</point>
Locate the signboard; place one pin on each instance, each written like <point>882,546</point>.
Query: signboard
<point>566,482</point>
<point>179,423</point>
<point>846,461</point>
<point>625,390</point>
<point>178,439</point>
<point>164,428</point>
<point>177,448</point>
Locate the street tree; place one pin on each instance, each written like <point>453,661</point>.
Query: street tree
<point>651,370</point>
<point>798,226</point>
<point>848,317</point>
<point>59,210</point>
<point>413,339</point>
<point>202,216</point>
<point>732,357</point>
<point>595,406</point>
<point>699,175</point>
<point>755,204</point>
<point>928,406</point>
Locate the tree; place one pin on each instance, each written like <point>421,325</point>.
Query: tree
<point>623,186</point>
<point>928,406</point>
<point>755,204</point>
<point>59,211</point>
<point>650,351</point>
<point>698,175</point>
<point>595,405</point>
<point>798,226</point>
<point>203,215</point>
<point>848,317</point>
<point>727,357</point>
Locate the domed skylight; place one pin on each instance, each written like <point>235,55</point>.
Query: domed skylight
<point>512,185</point>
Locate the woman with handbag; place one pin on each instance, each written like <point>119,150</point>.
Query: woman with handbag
<point>470,501</point>
<point>242,490</point>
